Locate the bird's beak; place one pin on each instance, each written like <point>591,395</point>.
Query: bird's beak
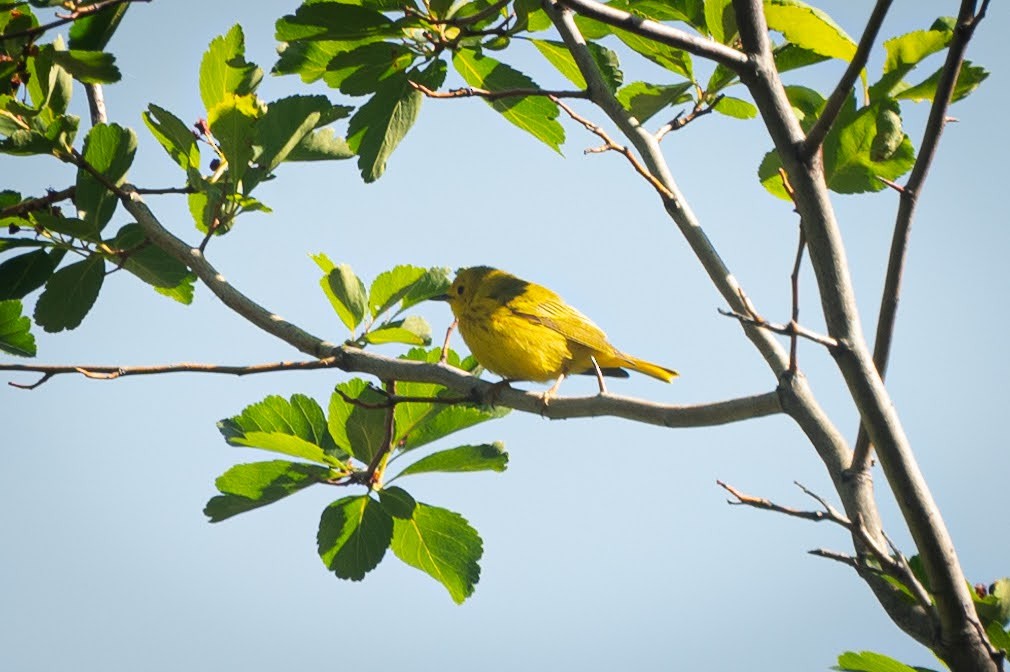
<point>440,297</point>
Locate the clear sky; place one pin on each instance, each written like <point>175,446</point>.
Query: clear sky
<point>607,545</point>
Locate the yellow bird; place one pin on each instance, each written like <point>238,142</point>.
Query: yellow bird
<point>523,331</point>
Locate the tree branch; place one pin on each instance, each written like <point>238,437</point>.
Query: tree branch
<point>468,386</point>
<point>833,106</point>
<point>958,641</point>
<point>935,123</point>
<point>96,104</point>
<point>468,92</point>
<point>699,46</point>
<point>78,13</point>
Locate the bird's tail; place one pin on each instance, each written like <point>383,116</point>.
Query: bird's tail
<point>648,368</point>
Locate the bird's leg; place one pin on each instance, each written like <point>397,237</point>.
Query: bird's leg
<point>599,375</point>
<point>445,343</point>
<point>554,388</point>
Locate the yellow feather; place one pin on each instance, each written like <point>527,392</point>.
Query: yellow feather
<point>523,331</point>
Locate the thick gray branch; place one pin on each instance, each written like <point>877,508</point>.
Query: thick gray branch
<point>959,641</point>
<point>658,32</point>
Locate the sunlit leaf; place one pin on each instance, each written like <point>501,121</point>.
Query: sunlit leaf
<point>483,457</point>
<point>534,114</point>
<point>224,70</point>
<point>15,335</point>
<point>294,427</point>
<point>442,544</point>
<point>245,487</point>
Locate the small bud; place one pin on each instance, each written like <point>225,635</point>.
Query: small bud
<point>202,127</point>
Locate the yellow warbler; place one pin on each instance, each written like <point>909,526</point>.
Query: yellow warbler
<point>523,331</point>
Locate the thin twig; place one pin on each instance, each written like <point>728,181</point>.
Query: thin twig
<point>106,372</point>
<point>445,344</point>
<point>896,567</point>
<point>79,13</point>
<point>792,329</point>
<point>609,144</point>
<point>41,203</point>
<point>833,106</point>
<point>682,120</point>
<point>391,401</point>
<point>887,316</point>
<point>849,560</point>
<point>766,504</point>
<point>471,92</point>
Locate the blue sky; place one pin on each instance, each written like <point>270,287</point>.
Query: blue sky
<point>607,545</point>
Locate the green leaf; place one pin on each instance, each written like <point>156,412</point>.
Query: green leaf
<point>663,10</point>
<point>109,149</point>
<point>967,81</point>
<point>285,125</point>
<point>232,121</point>
<point>15,334</point>
<point>995,606</point>
<point>294,427</point>
<point>308,60</point>
<point>869,661</point>
<point>419,423</point>
<point>69,294</point>
<point>848,160</point>
<point>397,502</point>
<point>736,108</point>
<point>89,67</point>
<point>354,533</point>
<point>559,56</point>
<point>809,28</point>
<point>483,457</point>
<point>442,544</point>
<point>998,637</point>
<point>358,72</point>
<point>534,114</point>
<point>49,85</point>
<point>153,265</point>
<point>531,17</point>
<point>434,282</point>
<point>791,56</point>
<point>391,286</point>
<point>173,134</point>
<point>412,330</point>
<point>644,100</point>
<point>379,125</point>
<point>358,428</point>
<point>321,145</point>
<point>23,274</point>
<point>345,290</point>
<point>326,20</point>
<point>904,53</point>
<point>249,486</point>
<point>720,20</point>
<point>93,32</point>
<point>224,71</point>
<point>674,60</point>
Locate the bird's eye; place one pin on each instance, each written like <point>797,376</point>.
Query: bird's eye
<point>459,290</point>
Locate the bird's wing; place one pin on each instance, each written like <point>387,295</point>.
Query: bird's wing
<point>558,316</point>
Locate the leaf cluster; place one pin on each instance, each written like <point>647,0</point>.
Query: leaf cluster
<point>363,430</point>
